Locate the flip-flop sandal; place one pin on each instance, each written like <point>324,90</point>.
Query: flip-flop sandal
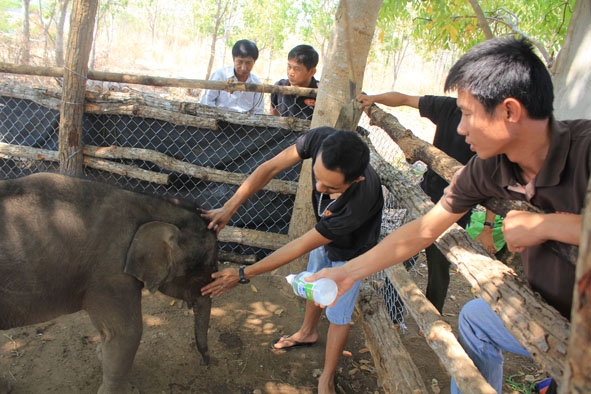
<point>296,344</point>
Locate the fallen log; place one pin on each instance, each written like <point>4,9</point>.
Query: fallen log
<point>230,86</point>
<point>24,152</point>
<point>258,239</point>
<point>160,159</point>
<point>136,103</point>
<point>439,334</point>
<point>168,163</point>
<point>236,258</point>
<point>397,373</point>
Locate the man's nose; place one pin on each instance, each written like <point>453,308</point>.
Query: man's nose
<point>462,129</point>
<point>320,188</point>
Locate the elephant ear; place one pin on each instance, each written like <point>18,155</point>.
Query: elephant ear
<point>151,256</point>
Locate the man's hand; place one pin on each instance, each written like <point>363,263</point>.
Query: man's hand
<point>520,230</point>
<point>364,100</point>
<point>223,280</point>
<point>218,218</point>
<point>338,274</point>
<point>486,239</point>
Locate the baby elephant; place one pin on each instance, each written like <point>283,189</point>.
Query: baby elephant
<point>68,244</point>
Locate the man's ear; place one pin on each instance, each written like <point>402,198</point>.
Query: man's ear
<point>513,109</point>
<point>359,179</point>
<point>313,71</point>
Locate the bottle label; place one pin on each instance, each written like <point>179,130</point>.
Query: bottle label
<point>305,289</point>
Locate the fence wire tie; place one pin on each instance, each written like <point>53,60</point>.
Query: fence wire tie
<point>76,73</point>
<point>72,103</point>
<point>73,154</point>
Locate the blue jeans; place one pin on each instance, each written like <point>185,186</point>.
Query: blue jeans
<point>483,336</point>
<point>342,311</point>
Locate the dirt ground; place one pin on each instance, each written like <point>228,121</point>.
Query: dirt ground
<point>60,356</point>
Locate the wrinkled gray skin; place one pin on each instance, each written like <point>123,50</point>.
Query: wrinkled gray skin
<point>68,244</point>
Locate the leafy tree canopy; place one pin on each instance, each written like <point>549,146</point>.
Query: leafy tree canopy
<point>454,25</point>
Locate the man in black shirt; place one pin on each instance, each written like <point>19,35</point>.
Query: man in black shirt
<point>301,67</point>
<point>347,201</point>
<point>445,114</point>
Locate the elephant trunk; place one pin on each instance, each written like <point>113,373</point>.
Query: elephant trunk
<point>202,312</point>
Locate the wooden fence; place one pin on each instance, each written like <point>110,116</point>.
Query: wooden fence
<point>537,326</point>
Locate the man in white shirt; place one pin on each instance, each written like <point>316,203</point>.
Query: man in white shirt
<point>244,54</point>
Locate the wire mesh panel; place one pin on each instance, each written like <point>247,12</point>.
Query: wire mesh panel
<point>394,216</point>
<point>232,148</point>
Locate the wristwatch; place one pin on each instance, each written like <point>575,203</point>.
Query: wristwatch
<point>489,224</point>
<point>243,278</point>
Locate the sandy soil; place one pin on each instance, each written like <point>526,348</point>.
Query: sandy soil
<point>60,356</point>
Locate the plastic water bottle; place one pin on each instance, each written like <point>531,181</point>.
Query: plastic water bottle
<point>323,291</point>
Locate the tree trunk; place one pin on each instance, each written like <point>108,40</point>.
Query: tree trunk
<point>59,32</point>
<point>482,22</point>
<point>214,36</point>
<point>72,107</point>
<point>26,48</point>
<point>576,376</point>
<point>572,69</point>
<point>342,77</point>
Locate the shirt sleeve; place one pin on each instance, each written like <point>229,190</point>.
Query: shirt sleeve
<point>470,186</point>
<point>438,109</point>
<point>209,97</point>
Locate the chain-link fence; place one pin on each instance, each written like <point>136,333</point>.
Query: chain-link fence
<point>394,216</point>
<point>233,148</point>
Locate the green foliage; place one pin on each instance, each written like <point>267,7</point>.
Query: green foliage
<point>10,15</point>
<point>453,25</point>
<point>429,26</point>
<point>269,24</point>
<point>315,21</point>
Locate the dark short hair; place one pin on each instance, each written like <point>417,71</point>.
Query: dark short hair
<point>245,48</point>
<point>500,68</point>
<point>304,54</point>
<point>345,152</point>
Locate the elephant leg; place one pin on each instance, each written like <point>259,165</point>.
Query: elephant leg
<point>120,327</point>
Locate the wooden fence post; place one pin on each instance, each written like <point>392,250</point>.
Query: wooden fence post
<point>576,371</point>
<point>74,86</point>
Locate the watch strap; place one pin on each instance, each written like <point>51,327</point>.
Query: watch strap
<point>243,278</point>
<point>489,224</point>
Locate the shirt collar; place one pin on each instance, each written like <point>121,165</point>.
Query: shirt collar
<point>248,80</point>
<point>550,173</point>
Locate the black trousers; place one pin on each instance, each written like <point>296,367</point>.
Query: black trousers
<point>438,271</point>
<point>437,277</point>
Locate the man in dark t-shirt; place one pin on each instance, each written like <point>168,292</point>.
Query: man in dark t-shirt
<point>301,67</point>
<point>445,114</point>
<point>347,202</point>
<point>291,105</point>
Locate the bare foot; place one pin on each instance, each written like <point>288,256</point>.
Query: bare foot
<point>326,385</point>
